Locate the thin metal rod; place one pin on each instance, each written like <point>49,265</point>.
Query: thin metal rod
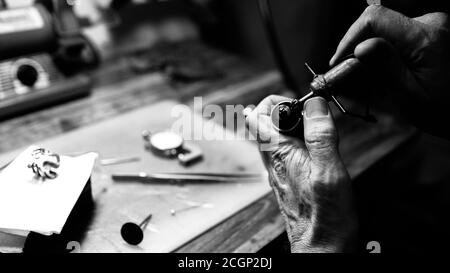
<point>187,178</point>
<point>307,97</point>
<point>339,105</point>
<point>119,160</point>
<point>146,221</point>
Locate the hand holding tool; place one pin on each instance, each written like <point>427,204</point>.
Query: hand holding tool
<point>287,115</point>
<point>133,233</point>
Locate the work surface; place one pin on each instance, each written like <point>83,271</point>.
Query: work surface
<point>119,202</point>
<point>242,228</point>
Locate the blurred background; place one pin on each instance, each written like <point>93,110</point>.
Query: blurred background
<point>58,50</point>
<point>78,35</point>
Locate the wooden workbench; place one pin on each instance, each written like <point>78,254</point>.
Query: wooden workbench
<point>119,90</point>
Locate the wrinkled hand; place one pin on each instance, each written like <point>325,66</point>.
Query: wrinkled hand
<point>310,181</point>
<point>411,57</point>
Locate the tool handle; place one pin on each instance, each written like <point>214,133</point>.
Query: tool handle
<point>336,75</point>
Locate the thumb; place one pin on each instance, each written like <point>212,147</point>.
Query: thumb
<point>321,138</point>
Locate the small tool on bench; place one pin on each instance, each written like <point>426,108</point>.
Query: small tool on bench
<point>133,233</point>
<point>174,212</point>
<point>119,160</point>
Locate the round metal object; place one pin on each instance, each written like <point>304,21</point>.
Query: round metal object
<point>166,144</point>
<point>283,119</point>
<point>44,164</point>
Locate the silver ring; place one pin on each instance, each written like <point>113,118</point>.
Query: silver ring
<point>44,164</point>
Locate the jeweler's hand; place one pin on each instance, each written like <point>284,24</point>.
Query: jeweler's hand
<point>310,181</point>
<point>411,56</point>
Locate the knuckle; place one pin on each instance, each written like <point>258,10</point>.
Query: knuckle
<point>442,20</point>
<point>321,137</point>
<point>321,187</point>
<point>436,35</point>
<point>372,13</point>
<point>328,181</point>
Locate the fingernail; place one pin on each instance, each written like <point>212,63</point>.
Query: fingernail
<point>316,107</point>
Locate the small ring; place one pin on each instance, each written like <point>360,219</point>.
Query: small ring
<point>44,164</point>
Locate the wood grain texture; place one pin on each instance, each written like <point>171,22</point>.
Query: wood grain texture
<point>120,90</point>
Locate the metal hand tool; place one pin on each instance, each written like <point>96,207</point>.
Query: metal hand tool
<point>182,178</point>
<point>287,115</point>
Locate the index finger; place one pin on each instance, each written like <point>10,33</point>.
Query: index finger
<point>377,21</point>
<point>266,105</point>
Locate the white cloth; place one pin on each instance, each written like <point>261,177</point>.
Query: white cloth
<point>27,204</point>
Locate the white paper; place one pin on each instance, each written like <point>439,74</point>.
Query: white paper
<point>27,204</point>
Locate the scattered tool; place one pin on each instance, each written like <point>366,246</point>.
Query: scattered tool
<point>119,160</point>
<point>182,178</point>
<point>174,212</point>
<point>132,233</point>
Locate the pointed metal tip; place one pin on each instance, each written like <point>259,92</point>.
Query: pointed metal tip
<point>310,69</point>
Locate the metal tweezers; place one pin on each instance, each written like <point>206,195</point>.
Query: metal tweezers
<point>181,178</point>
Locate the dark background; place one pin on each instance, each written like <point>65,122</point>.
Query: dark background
<point>309,30</point>
<point>404,201</point>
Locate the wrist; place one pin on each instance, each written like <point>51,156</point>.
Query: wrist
<point>318,238</point>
